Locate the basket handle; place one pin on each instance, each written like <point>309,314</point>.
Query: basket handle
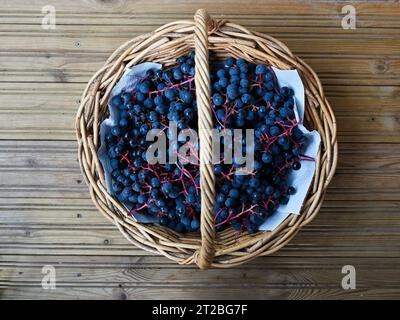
<point>204,23</point>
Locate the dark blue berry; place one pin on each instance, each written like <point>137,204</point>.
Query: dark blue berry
<point>217,99</point>
<point>291,190</point>
<point>261,69</point>
<point>144,87</point>
<point>195,224</point>
<point>296,165</point>
<point>274,131</point>
<point>115,131</point>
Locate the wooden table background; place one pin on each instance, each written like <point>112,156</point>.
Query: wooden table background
<point>47,217</point>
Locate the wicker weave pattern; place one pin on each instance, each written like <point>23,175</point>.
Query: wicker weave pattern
<point>227,248</point>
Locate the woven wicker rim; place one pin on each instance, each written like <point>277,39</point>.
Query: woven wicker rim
<point>227,248</point>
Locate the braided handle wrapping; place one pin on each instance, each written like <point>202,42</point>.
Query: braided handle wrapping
<point>203,23</point>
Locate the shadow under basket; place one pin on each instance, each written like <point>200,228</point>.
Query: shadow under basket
<point>208,248</point>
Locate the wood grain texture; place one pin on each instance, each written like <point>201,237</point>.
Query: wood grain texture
<point>46,216</point>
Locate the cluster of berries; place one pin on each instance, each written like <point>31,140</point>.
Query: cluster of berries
<point>245,96</point>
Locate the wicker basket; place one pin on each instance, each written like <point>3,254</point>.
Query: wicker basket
<point>210,249</point>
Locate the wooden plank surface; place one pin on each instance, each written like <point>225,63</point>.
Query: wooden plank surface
<point>47,217</point>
